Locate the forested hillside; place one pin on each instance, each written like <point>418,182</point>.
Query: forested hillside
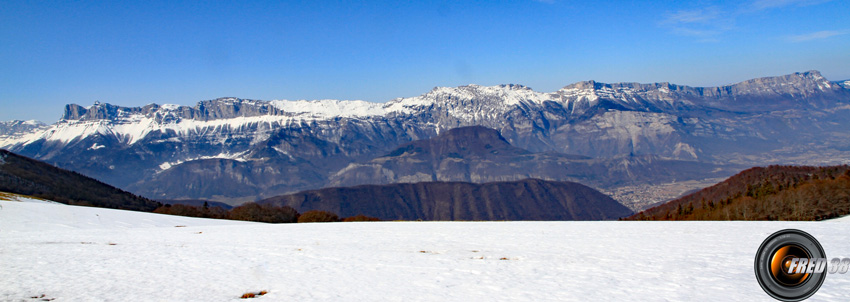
<point>771,193</point>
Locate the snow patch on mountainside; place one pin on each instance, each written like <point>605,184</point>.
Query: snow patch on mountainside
<point>7,141</point>
<point>16,130</point>
<point>69,131</point>
<point>131,129</point>
<point>471,103</point>
<point>239,156</point>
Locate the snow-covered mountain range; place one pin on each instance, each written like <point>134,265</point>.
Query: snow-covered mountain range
<point>14,130</point>
<point>237,149</point>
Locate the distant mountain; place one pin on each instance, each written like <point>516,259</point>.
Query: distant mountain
<point>196,203</point>
<point>771,193</point>
<point>479,154</point>
<point>15,130</point>
<point>22,175</point>
<point>529,199</point>
<point>234,150</point>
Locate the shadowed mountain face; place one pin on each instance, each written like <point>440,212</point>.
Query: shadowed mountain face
<point>222,179</point>
<point>528,199</point>
<point>479,154</point>
<point>474,141</point>
<point>22,175</point>
<point>235,150</point>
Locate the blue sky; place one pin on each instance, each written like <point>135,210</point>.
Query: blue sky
<point>134,53</point>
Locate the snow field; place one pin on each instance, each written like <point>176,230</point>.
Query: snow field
<point>88,254</point>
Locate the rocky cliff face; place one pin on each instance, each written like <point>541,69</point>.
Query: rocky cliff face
<point>799,90</point>
<point>222,108</point>
<point>284,146</point>
<point>478,154</point>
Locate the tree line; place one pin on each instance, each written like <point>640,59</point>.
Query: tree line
<point>253,211</point>
<point>771,193</point>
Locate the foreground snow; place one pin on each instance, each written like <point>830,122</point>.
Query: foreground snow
<point>83,254</point>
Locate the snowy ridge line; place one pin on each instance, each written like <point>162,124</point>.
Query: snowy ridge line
<point>471,104</point>
<point>20,122</point>
<point>131,131</point>
<point>330,108</point>
<point>129,127</point>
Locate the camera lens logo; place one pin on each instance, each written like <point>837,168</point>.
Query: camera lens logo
<point>790,265</point>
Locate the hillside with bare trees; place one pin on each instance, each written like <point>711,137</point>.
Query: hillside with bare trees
<point>771,193</point>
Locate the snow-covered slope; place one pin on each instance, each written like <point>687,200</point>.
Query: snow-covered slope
<point>330,108</point>
<point>72,253</point>
<point>21,213</point>
<point>16,131</point>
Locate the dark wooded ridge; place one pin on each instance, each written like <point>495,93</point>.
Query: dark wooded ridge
<point>771,193</point>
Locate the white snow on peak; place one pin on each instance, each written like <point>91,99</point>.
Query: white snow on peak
<point>169,107</point>
<point>330,108</point>
<point>814,75</point>
<point>129,129</point>
<point>470,103</point>
<point>70,130</point>
<point>505,96</point>
<point>508,94</point>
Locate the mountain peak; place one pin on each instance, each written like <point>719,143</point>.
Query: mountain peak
<point>811,73</point>
<point>515,87</point>
<point>797,77</point>
<point>481,89</point>
<point>591,84</point>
